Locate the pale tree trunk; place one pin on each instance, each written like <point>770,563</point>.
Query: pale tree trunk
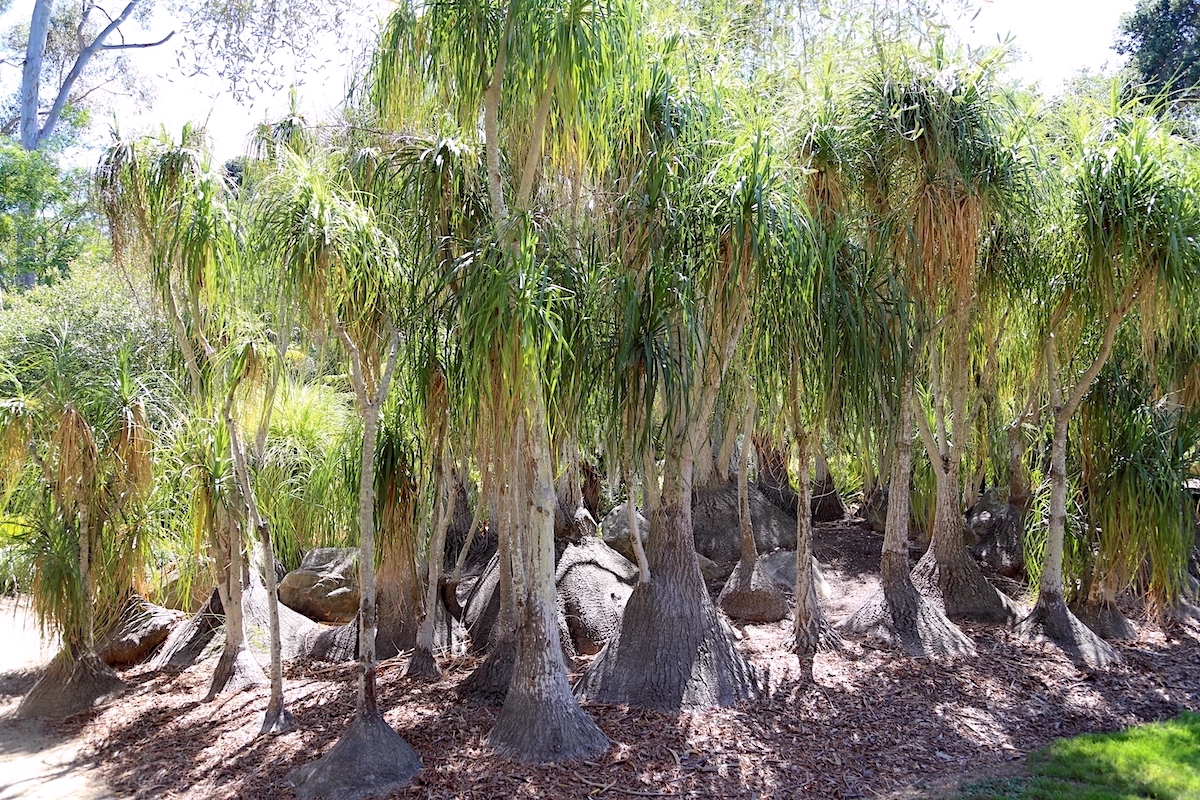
<point>423,662</point>
<point>237,669</point>
<point>370,759</point>
<point>750,594</point>
<point>728,443</point>
<point>567,522</point>
<point>370,404</point>
<point>635,535</point>
<point>947,569</point>
<point>1051,617</point>
<point>31,75</point>
<point>88,579</point>
<point>811,632</point>
<point>485,493</point>
<point>898,614</point>
<point>749,551</point>
<point>541,720</point>
<point>33,132</point>
<point>277,719</point>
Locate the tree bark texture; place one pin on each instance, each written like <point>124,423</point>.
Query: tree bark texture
<point>898,615</point>
<point>674,650</point>
<point>541,720</point>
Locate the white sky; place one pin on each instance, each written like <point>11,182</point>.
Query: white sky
<point>1055,39</point>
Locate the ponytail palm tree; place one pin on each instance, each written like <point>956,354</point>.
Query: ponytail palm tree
<point>1130,238</point>
<point>703,212</point>
<point>167,203</point>
<point>940,174</point>
<point>539,76</point>
<point>78,460</point>
<point>342,269</point>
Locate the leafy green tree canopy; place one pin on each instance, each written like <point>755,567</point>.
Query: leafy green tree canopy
<point>44,219</point>
<point>1162,38</point>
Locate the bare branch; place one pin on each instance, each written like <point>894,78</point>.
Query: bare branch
<point>81,61</point>
<point>138,45</point>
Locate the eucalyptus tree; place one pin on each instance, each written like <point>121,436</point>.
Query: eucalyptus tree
<point>343,271</point>
<point>939,172</point>
<point>1127,238</point>
<point>539,77</point>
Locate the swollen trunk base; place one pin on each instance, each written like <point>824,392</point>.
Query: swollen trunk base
<point>752,595</point>
<point>370,760</point>
<point>70,686</point>
<point>1052,620</point>
<point>964,592</point>
<point>899,616</point>
<point>673,652</point>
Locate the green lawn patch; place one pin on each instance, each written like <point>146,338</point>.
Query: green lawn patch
<point>1159,761</point>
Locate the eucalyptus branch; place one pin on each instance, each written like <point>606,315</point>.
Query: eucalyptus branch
<point>138,45</point>
<point>81,62</point>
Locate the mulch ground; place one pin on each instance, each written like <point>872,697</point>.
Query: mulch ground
<point>875,723</point>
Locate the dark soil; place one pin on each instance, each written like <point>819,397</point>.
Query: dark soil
<point>875,724</point>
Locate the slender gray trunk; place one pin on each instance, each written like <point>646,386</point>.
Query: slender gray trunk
<point>31,75</point>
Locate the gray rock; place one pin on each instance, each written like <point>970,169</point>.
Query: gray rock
<point>594,582</point>
<point>325,587</point>
<point>714,574</point>
<point>781,566</point>
<point>715,526</point>
<point>141,628</point>
<point>615,530</point>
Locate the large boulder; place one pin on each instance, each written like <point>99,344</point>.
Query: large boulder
<point>593,583</point>
<point>781,566</point>
<point>996,528</point>
<point>714,574</point>
<point>325,587</point>
<point>140,629</point>
<point>715,523</point>
<point>615,530</point>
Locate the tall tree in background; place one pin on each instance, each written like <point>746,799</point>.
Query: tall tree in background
<point>1162,40</point>
<point>67,53</point>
